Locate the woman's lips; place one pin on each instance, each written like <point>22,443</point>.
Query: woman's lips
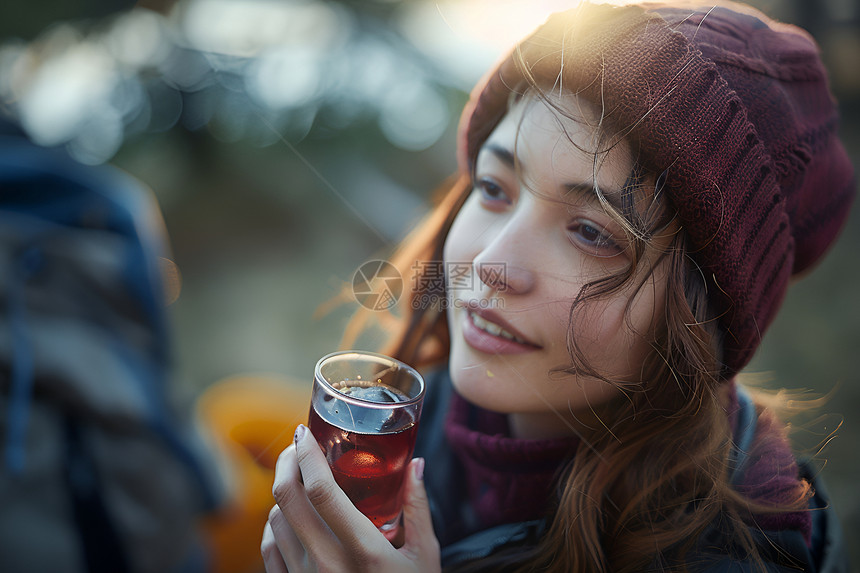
<point>487,332</point>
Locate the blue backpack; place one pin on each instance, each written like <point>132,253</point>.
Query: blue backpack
<point>98,470</point>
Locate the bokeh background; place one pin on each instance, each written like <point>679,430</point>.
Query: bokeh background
<point>289,141</point>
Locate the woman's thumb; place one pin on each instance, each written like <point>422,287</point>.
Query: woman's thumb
<point>420,539</point>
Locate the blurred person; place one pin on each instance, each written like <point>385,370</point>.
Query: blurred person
<point>638,187</point>
<point>100,470</point>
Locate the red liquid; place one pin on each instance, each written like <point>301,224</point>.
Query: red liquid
<point>369,467</point>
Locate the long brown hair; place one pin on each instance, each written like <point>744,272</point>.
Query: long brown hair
<point>638,496</point>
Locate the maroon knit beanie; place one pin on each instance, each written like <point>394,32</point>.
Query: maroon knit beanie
<point>734,107</point>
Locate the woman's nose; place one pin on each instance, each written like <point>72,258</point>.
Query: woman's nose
<point>503,276</point>
<point>509,259</point>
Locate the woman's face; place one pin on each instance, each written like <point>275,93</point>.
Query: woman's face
<point>533,233</point>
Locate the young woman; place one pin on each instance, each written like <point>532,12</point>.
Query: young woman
<point>638,186</point>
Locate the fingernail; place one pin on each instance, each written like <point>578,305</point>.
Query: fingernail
<point>300,433</point>
<point>419,469</point>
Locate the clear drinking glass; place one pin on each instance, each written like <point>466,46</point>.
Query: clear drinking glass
<point>364,414</point>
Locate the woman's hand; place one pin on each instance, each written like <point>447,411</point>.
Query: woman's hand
<point>314,526</point>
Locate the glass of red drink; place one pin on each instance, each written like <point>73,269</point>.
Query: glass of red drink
<point>364,414</point>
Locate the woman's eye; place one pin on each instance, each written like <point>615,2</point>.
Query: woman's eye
<point>593,239</point>
<point>491,192</point>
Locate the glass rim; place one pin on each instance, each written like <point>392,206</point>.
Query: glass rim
<point>338,395</point>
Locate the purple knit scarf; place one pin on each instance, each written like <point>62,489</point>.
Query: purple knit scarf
<point>511,479</point>
<point>508,479</point>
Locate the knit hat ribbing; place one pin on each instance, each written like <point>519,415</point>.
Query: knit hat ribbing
<point>735,106</point>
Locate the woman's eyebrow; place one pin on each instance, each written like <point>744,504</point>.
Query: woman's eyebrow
<point>588,191</point>
<point>504,154</point>
<point>585,189</point>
